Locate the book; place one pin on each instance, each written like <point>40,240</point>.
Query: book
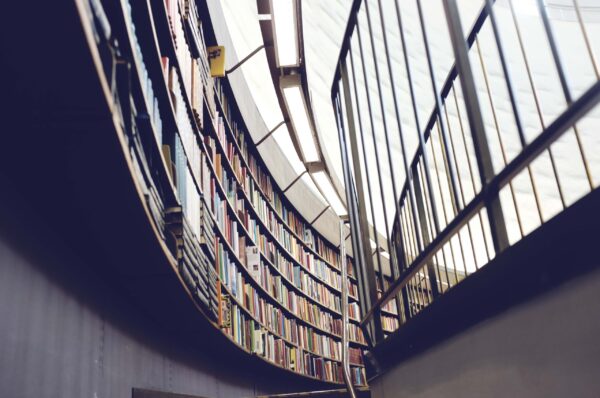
<point>253,261</point>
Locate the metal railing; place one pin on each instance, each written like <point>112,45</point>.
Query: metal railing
<point>473,186</point>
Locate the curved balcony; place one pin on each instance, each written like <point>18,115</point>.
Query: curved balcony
<point>508,148</point>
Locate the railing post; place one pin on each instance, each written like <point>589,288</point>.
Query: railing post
<point>357,212</point>
<point>345,359</point>
<point>482,149</point>
<point>419,195</point>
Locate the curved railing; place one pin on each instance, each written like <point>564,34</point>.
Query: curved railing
<point>462,200</point>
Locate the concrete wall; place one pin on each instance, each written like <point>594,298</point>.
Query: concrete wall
<point>547,347</point>
<point>66,333</point>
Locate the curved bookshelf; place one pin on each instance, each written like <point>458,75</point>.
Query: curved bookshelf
<point>205,196</point>
<point>234,139</point>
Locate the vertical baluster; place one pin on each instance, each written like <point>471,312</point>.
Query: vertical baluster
<point>445,270</point>
<point>536,98</point>
<point>513,101</point>
<point>471,173</point>
<point>364,157</point>
<point>497,128</point>
<point>482,150</point>
<point>586,38</point>
<point>416,113</point>
<point>565,85</point>
<point>394,267</point>
<point>357,213</point>
<point>438,109</point>
<point>462,193</point>
<point>428,197</point>
<point>373,135</point>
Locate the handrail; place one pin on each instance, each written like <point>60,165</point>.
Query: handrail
<point>418,241</point>
<point>577,110</point>
<point>345,358</point>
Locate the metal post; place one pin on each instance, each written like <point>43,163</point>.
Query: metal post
<point>364,153</point>
<point>482,150</point>
<point>345,359</point>
<point>360,217</point>
<point>438,109</point>
<point>426,238</point>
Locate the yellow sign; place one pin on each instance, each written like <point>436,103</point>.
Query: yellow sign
<point>216,58</point>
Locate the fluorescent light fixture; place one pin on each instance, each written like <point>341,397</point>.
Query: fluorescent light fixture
<point>296,107</point>
<point>285,32</point>
<point>322,180</point>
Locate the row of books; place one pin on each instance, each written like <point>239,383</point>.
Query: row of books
<point>355,356</point>
<point>272,316</point>
<point>354,311</point>
<point>295,247</point>
<point>355,333</point>
<point>261,273</point>
<point>292,221</point>
<point>389,323</point>
<point>151,102</point>
<point>389,307</point>
<point>260,332</point>
<point>297,276</point>
<point>316,266</point>
<point>246,332</point>
<point>190,51</point>
<point>275,284</point>
<point>358,376</point>
<point>195,260</point>
<point>187,136</point>
<point>144,176</point>
<point>140,116</point>
<point>230,228</point>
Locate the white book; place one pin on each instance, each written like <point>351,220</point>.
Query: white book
<point>253,261</point>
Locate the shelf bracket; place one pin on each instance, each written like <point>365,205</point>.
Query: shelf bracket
<point>291,184</point>
<point>271,132</point>
<point>320,214</point>
<point>247,57</point>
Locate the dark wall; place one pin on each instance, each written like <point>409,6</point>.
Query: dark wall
<point>65,333</point>
<point>525,325</point>
<point>545,348</point>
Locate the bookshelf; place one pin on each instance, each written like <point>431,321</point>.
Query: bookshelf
<point>254,267</point>
<point>390,318</point>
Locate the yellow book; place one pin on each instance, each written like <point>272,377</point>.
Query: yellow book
<point>293,359</point>
<point>216,58</point>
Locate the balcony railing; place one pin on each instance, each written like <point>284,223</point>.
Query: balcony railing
<point>512,139</point>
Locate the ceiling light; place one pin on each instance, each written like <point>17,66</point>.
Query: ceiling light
<point>285,32</point>
<point>324,184</point>
<point>296,106</point>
